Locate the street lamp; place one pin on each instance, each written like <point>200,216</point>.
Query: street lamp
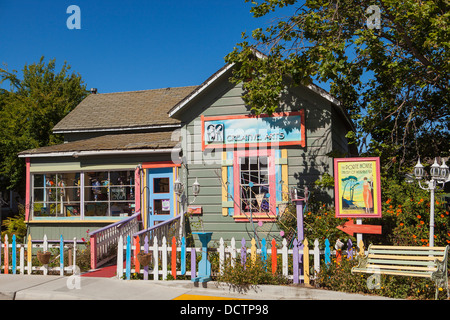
<point>439,174</point>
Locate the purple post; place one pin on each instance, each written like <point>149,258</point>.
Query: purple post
<point>299,206</point>
<point>146,251</point>
<point>193,264</point>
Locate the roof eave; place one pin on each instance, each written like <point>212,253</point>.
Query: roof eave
<point>137,128</point>
<point>76,154</point>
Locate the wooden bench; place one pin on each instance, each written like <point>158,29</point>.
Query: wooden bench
<point>426,262</point>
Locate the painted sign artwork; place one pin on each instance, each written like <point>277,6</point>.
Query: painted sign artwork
<point>280,128</point>
<point>357,187</point>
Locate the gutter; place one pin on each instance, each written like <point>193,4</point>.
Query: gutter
<point>77,154</point>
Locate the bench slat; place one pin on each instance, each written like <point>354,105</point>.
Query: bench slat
<point>388,256</point>
<point>400,262</point>
<point>393,272</point>
<point>426,269</point>
<point>408,248</point>
<point>407,252</point>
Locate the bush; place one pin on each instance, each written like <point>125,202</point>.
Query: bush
<point>244,277</point>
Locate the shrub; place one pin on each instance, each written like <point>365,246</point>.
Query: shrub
<point>244,277</point>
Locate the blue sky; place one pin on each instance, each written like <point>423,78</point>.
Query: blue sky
<point>126,45</point>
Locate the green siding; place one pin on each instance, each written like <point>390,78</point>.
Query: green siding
<point>305,165</point>
<point>67,230</point>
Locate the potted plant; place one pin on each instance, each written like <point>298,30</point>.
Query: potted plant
<point>44,257</point>
<point>144,258</point>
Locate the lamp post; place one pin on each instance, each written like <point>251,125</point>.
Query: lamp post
<point>178,188</point>
<point>439,174</point>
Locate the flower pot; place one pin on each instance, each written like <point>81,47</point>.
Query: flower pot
<point>44,257</point>
<point>144,258</point>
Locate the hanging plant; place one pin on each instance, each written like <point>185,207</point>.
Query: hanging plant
<point>144,258</point>
<point>44,257</point>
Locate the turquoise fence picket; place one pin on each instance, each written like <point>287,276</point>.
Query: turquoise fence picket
<point>14,254</point>
<point>183,256</point>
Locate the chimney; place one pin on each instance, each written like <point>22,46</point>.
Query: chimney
<point>94,90</point>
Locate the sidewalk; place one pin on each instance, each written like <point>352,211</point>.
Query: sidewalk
<point>39,287</point>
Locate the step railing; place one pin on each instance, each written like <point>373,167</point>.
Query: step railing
<point>103,241</point>
<point>168,229</point>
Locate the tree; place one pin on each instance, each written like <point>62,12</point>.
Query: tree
<point>392,80</point>
<point>30,109</point>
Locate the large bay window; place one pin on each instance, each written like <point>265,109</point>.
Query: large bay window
<point>83,194</point>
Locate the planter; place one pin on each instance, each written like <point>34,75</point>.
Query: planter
<point>44,257</point>
<point>144,258</point>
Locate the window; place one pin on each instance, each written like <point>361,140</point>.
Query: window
<point>56,194</point>
<point>254,173</point>
<point>83,194</point>
<point>108,193</point>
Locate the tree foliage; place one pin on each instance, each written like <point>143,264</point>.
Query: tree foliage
<point>29,110</point>
<point>393,81</point>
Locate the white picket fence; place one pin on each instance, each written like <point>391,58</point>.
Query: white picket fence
<point>176,255</point>
<point>11,263</point>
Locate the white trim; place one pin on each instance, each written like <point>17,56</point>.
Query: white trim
<point>198,91</point>
<point>76,154</point>
<point>119,129</point>
<point>259,55</point>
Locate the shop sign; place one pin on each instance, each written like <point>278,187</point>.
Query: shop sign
<point>244,130</point>
<point>357,187</point>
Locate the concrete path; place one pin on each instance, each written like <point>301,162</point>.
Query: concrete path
<point>39,287</point>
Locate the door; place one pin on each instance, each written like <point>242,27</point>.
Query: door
<point>161,206</point>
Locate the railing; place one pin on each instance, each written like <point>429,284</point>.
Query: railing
<point>171,259</point>
<point>25,256</point>
<point>168,229</point>
<point>104,240</point>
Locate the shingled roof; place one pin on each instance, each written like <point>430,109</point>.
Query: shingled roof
<point>112,142</point>
<point>124,110</point>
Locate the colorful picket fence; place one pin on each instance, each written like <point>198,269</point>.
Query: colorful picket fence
<point>17,258</point>
<point>299,255</point>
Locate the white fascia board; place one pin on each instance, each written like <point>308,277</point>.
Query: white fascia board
<point>76,154</point>
<point>202,88</point>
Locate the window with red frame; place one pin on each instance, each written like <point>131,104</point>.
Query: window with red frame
<point>254,186</point>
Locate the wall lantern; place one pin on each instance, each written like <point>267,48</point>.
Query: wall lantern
<point>178,187</point>
<point>195,188</point>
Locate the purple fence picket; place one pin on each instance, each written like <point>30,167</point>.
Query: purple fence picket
<point>350,249</point>
<point>243,252</point>
<point>193,264</point>
<point>295,261</point>
<point>146,251</point>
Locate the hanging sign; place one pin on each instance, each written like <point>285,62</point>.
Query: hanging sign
<point>285,128</point>
<point>357,187</point>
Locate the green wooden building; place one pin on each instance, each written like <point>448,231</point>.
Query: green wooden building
<point>124,153</point>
